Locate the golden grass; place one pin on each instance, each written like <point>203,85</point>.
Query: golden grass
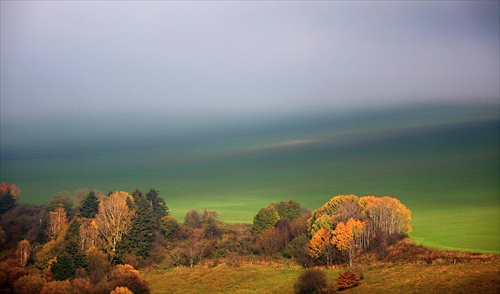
<point>481,277</point>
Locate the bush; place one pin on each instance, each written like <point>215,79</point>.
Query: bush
<point>311,281</point>
<point>347,279</point>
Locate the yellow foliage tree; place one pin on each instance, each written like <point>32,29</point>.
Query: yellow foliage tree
<point>23,252</point>
<point>57,222</point>
<point>114,218</point>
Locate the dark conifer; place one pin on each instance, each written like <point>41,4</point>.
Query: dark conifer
<point>63,268</point>
<point>90,205</point>
<point>142,234</point>
<point>160,208</point>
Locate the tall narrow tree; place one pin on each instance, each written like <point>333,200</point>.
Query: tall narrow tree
<point>114,218</point>
<point>141,236</point>
<point>160,208</point>
<point>90,205</point>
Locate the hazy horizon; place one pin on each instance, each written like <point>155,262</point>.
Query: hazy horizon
<point>195,63</point>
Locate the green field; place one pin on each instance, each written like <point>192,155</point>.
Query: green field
<point>442,163</point>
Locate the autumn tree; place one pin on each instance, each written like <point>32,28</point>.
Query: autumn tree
<point>8,196</point>
<point>211,223</point>
<point>98,264</point>
<point>193,219</point>
<point>29,284</point>
<point>265,219</point>
<point>347,237</point>
<point>57,287</point>
<point>321,245</point>
<point>23,252</point>
<point>21,222</point>
<point>114,218</point>
<point>88,235</point>
<point>267,242</point>
<point>127,276</point>
<point>90,205</point>
<point>57,222</point>
<point>339,209</point>
<point>168,225</point>
<point>350,222</point>
<point>289,209</point>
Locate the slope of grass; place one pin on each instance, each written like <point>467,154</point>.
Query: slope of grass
<point>386,278</point>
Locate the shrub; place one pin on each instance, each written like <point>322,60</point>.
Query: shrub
<point>127,276</point>
<point>347,279</point>
<point>311,281</point>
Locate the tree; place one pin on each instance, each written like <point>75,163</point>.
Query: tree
<point>57,222</point>
<point>57,287</point>
<point>339,209</point>
<point>193,219</point>
<point>29,284</point>
<point>265,219</point>
<point>321,245</point>
<point>210,220</point>
<point>71,244</point>
<point>8,196</point>
<point>23,252</point>
<point>141,236</point>
<point>168,225</point>
<point>160,208</point>
<point>63,268</point>
<point>347,237</point>
<point>351,222</point>
<point>289,209</point>
<point>267,242</point>
<point>114,218</point>
<point>90,205</point>
<point>88,235</point>
<point>97,264</point>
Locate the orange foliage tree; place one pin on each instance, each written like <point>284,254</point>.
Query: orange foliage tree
<point>347,237</point>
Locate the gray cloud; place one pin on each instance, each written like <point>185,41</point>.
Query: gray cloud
<point>237,58</point>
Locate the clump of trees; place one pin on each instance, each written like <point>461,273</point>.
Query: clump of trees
<point>94,242</point>
<point>348,223</point>
<point>59,246</point>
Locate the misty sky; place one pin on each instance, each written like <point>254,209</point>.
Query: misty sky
<point>200,60</point>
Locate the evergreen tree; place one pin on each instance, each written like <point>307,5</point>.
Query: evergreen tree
<point>160,208</point>
<point>90,205</point>
<point>63,268</point>
<point>71,245</point>
<point>144,225</point>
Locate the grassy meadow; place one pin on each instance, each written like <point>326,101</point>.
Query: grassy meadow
<point>386,278</point>
<point>443,163</point>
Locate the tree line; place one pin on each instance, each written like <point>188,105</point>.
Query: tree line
<point>90,242</point>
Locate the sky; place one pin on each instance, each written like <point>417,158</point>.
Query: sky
<point>202,61</point>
